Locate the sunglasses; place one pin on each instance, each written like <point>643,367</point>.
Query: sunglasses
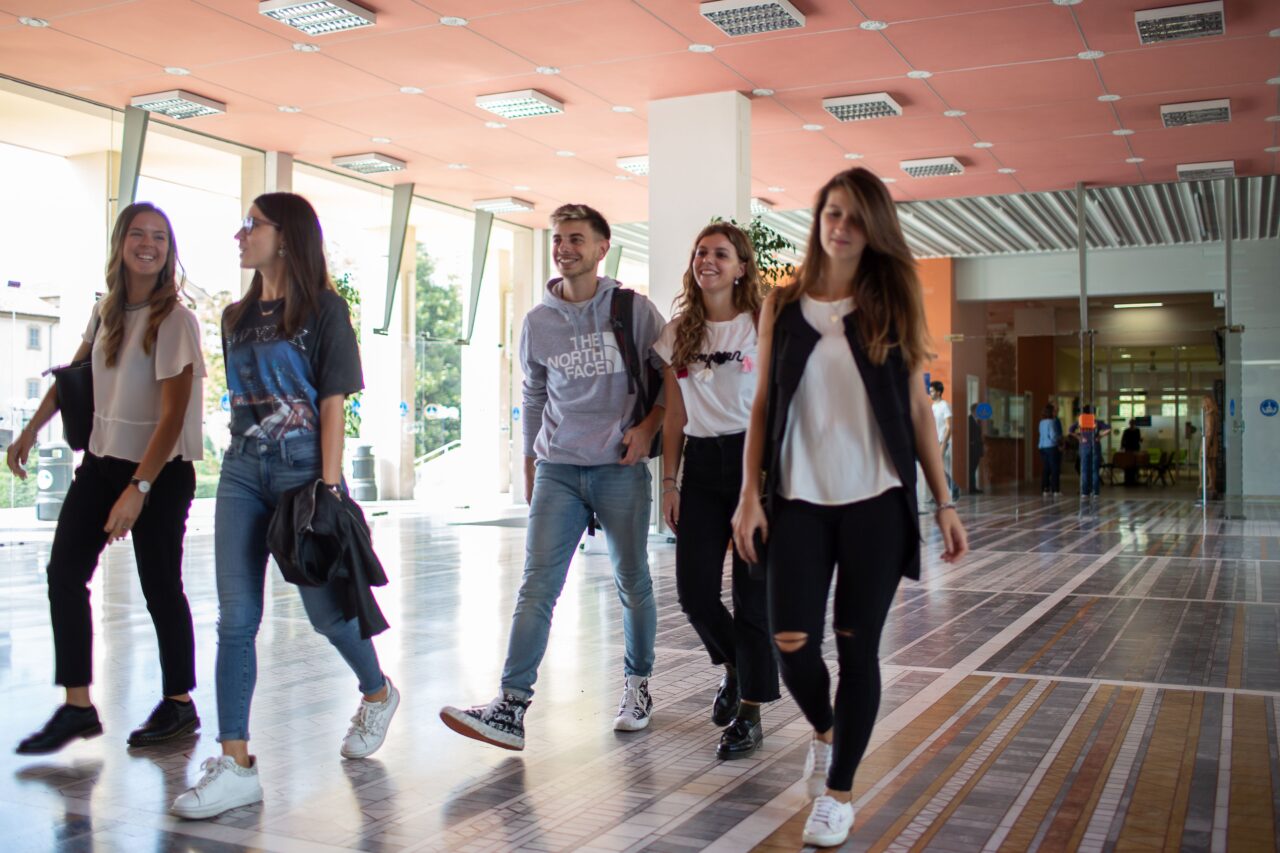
<point>250,223</point>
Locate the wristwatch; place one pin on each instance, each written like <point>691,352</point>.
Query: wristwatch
<point>143,486</point>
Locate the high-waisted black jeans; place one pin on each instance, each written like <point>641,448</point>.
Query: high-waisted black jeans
<point>865,544</point>
<point>708,497</point>
<point>157,547</point>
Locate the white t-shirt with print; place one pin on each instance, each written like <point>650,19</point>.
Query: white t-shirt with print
<point>719,384</point>
<point>941,412</point>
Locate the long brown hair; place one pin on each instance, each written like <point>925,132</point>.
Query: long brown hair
<point>162,298</point>
<point>306,272</point>
<point>886,289</point>
<point>691,331</point>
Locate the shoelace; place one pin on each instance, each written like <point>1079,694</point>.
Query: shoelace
<point>212,768</point>
<point>360,722</point>
<point>825,810</point>
<point>630,700</point>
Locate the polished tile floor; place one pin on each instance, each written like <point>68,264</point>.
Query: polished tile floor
<point>1098,679</point>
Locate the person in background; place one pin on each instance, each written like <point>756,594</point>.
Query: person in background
<point>942,422</point>
<point>710,349</point>
<point>136,477</point>
<point>1131,438</point>
<point>844,417</point>
<point>292,358</point>
<point>1089,431</point>
<point>1211,417</point>
<point>1050,446</point>
<point>977,449</point>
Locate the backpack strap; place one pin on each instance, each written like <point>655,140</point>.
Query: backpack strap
<point>621,317</point>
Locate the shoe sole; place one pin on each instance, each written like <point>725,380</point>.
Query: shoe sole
<point>209,811</point>
<point>84,735</point>
<point>151,740</point>
<point>395,706</point>
<point>625,725</point>
<point>833,840</point>
<point>465,729</point>
<point>734,756</point>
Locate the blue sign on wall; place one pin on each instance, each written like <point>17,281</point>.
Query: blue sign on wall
<point>1269,408</point>
<point>983,412</point>
<point>404,409</point>
<point>226,402</point>
<point>515,413</point>
<point>1232,409</point>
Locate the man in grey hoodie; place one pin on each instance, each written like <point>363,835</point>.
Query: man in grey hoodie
<point>584,455</point>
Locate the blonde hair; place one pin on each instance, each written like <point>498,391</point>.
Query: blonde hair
<point>691,329</point>
<point>886,289</point>
<point>163,297</point>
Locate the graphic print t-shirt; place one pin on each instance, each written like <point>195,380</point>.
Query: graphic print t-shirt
<point>276,383</point>
<point>718,385</point>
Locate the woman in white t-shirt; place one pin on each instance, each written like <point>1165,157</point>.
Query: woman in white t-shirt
<point>709,348</point>
<point>136,477</point>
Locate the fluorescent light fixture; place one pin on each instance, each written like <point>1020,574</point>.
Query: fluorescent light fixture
<point>1124,354</point>
<point>859,107</point>
<point>370,163</point>
<point>1196,112</point>
<point>522,103</point>
<point>1206,171</point>
<point>760,206</point>
<point>749,17</point>
<point>179,104</point>
<point>1193,20</point>
<point>318,17</point>
<point>636,165</point>
<point>506,204</point>
<point>1138,305</point>
<point>932,168</point>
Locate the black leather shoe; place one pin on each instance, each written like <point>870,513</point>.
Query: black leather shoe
<point>740,739</point>
<point>170,719</point>
<point>67,723</point>
<point>726,704</point>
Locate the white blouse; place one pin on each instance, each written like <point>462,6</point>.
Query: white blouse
<point>832,451</point>
<point>719,384</point>
<point>126,397</point>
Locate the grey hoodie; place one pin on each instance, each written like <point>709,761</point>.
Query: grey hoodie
<point>576,405</point>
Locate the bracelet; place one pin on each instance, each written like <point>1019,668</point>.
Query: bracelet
<point>947,505</point>
<point>665,479</point>
<point>670,489</point>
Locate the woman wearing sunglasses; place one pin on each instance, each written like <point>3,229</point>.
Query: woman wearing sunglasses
<point>136,477</point>
<point>292,358</point>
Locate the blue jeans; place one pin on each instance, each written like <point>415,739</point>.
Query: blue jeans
<point>564,496</point>
<point>255,472</point>
<point>1090,465</point>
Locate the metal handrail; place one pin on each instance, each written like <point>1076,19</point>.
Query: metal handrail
<point>437,453</point>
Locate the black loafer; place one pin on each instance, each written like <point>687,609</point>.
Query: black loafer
<point>67,723</point>
<point>726,704</point>
<point>741,739</point>
<point>170,719</point>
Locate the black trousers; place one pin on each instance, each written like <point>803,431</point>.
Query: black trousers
<point>1051,472</point>
<point>157,547</point>
<point>865,544</point>
<point>708,497</point>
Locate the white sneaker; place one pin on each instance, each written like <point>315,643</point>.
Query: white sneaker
<point>816,764</point>
<point>829,822</point>
<point>636,706</point>
<point>225,785</point>
<point>369,725</point>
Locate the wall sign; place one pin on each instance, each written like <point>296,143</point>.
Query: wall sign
<point>1269,408</point>
<point>983,412</point>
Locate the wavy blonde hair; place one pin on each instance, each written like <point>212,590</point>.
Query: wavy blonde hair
<point>163,297</point>
<point>691,330</point>
<point>886,289</point>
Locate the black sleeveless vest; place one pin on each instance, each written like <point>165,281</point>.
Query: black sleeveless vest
<point>888,388</point>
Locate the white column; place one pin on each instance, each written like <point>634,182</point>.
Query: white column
<point>699,167</point>
<point>279,172</point>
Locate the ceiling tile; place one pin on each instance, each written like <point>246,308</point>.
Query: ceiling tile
<point>1191,65</point>
<point>828,57</point>
<point>683,18</point>
<point>58,60</point>
<point>1249,105</point>
<point>1206,142</point>
<point>982,39</point>
<point>906,10</point>
<point>1048,121</point>
<point>299,79</point>
<point>1110,25</point>
<point>457,55</point>
<point>902,134</point>
<point>635,82</point>
<point>1018,85</point>
<point>569,36</point>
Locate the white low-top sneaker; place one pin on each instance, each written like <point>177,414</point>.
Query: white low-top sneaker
<point>636,707</point>
<point>225,785</point>
<point>369,725</point>
<point>816,764</point>
<point>829,822</point>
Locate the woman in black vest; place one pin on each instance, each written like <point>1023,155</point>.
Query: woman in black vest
<point>838,427</point>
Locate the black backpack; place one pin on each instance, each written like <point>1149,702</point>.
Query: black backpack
<point>643,379</point>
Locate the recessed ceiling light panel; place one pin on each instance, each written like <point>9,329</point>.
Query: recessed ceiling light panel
<point>523,103</point>
<point>749,17</point>
<point>859,107</point>
<point>637,165</point>
<point>933,167</point>
<point>506,204</point>
<point>1207,171</point>
<point>760,206</point>
<point>1171,23</point>
<point>318,17</point>
<point>369,164</point>
<point>1196,112</point>
<point>179,104</point>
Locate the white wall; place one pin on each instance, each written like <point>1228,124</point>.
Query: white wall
<point>1256,297</point>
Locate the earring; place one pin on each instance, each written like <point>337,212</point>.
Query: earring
<point>735,281</point>
<point>281,252</point>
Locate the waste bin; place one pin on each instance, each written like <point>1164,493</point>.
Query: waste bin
<point>364,483</point>
<point>56,463</point>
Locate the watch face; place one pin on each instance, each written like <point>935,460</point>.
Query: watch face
<point>143,486</point>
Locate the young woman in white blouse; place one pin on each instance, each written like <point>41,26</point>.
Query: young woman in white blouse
<point>710,351</point>
<point>840,418</point>
<point>136,477</point>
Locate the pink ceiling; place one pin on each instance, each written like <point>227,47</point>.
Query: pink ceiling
<point>1010,65</point>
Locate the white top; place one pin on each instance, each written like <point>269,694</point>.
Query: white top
<point>126,398</point>
<point>941,411</point>
<point>832,451</point>
<point>718,385</point>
